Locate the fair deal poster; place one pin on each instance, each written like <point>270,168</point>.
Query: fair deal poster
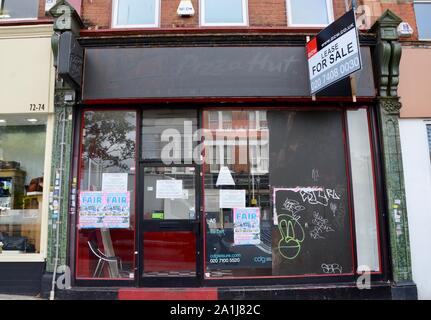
<point>98,209</point>
<point>246,226</point>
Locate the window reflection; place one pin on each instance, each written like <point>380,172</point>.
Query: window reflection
<point>236,159</point>
<point>22,164</point>
<point>22,9</point>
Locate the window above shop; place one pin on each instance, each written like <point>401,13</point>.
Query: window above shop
<point>18,10</point>
<point>223,12</point>
<point>309,13</point>
<point>423,19</point>
<point>135,13</point>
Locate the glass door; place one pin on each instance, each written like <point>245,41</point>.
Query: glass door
<point>168,199</point>
<point>170,225</point>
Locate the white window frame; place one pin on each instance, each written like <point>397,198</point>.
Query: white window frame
<point>245,21</point>
<point>419,2</point>
<point>257,120</point>
<point>212,120</point>
<point>329,8</point>
<point>114,18</point>
<point>20,19</point>
<point>259,158</point>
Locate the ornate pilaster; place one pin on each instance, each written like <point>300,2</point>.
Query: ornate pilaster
<point>66,95</point>
<point>386,64</point>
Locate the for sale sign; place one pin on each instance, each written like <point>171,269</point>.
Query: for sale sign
<point>334,53</point>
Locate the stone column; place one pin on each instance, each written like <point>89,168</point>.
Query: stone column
<point>66,94</point>
<point>386,64</point>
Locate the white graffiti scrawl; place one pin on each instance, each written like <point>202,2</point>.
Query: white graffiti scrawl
<point>292,206</point>
<point>320,226</point>
<point>331,268</point>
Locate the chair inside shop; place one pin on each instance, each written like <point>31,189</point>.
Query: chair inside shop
<point>103,260</point>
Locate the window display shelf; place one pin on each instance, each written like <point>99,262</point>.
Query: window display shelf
<point>34,193</point>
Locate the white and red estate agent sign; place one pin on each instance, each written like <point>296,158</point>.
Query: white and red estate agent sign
<point>334,53</point>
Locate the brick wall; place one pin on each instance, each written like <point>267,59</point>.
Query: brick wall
<point>170,19</point>
<point>96,14</point>
<point>41,14</point>
<point>339,8</point>
<point>267,13</point>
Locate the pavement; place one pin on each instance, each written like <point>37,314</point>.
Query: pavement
<point>17,297</point>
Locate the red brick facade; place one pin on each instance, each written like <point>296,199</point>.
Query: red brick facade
<point>97,14</point>
<point>261,13</point>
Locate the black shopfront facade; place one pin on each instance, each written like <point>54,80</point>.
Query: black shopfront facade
<point>201,161</point>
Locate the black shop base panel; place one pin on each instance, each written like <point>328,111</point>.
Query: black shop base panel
<point>339,291</point>
<point>21,278</point>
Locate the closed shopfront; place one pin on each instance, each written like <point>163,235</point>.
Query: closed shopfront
<point>199,167</point>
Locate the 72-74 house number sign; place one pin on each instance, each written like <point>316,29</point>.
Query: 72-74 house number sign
<point>334,53</point>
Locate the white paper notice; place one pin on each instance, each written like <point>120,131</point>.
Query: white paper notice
<point>232,199</point>
<point>114,182</point>
<point>225,177</point>
<point>169,189</point>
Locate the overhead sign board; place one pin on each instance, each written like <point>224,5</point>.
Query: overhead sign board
<point>334,53</point>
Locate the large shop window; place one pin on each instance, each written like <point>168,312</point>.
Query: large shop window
<point>317,13</point>
<point>224,12</point>
<point>367,244</point>
<point>22,162</point>
<point>106,219</point>
<point>136,13</point>
<point>280,206</point>
<point>423,18</point>
<point>19,9</point>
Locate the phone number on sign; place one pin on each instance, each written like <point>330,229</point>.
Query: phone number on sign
<point>225,260</point>
<point>335,73</point>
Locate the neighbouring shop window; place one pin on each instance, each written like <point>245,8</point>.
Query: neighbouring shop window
<point>106,216</point>
<point>423,19</point>
<point>223,12</point>
<point>136,13</point>
<point>19,9</point>
<point>367,243</point>
<point>22,161</point>
<point>309,12</point>
<point>280,207</point>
